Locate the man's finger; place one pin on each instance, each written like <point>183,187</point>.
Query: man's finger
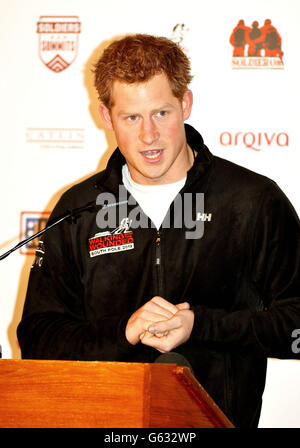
<point>183,306</point>
<point>165,326</point>
<point>150,335</point>
<point>164,304</point>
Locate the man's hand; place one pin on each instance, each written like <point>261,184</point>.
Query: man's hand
<point>169,332</point>
<point>156,310</point>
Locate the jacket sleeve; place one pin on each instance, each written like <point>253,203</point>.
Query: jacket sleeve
<point>273,281</point>
<point>54,323</point>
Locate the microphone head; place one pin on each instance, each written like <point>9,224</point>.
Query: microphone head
<point>173,358</point>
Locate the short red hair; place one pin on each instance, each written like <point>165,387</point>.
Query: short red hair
<point>137,58</point>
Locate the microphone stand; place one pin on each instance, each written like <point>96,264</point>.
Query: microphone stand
<point>72,214</point>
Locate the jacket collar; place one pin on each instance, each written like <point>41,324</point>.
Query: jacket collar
<point>204,157</point>
<point>111,177</point>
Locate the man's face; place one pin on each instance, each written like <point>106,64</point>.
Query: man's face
<point>148,122</point>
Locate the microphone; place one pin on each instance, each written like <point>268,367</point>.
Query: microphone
<point>174,358</point>
<point>73,214</point>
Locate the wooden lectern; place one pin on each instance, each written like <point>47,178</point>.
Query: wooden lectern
<point>84,394</point>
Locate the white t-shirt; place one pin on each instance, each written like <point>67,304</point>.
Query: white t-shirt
<point>154,200</point>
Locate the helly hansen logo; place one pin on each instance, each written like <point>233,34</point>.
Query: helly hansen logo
<point>204,217</point>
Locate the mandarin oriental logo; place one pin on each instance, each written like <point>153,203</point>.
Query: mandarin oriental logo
<point>31,223</point>
<point>58,41</point>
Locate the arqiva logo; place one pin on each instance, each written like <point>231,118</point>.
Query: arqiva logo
<point>256,141</point>
<point>58,41</point>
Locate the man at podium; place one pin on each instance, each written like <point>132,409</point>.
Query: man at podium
<point>183,250</point>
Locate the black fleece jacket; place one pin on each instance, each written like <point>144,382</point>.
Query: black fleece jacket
<point>241,278</point>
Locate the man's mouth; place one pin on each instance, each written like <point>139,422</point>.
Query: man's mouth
<point>153,154</point>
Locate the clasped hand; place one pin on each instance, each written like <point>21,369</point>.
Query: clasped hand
<point>160,324</point>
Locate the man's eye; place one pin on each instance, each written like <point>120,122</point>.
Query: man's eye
<point>162,113</point>
<point>132,117</point>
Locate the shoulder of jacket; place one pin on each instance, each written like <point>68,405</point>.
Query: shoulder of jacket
<point>78,194</point>
<point>244,185</point>
<point>236,176</point>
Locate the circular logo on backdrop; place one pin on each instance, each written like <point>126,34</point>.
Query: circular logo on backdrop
<point>58,41</point>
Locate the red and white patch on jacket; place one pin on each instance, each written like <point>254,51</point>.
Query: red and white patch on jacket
<point>118,240</point>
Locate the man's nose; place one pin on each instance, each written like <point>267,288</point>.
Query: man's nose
<point>148,132</point>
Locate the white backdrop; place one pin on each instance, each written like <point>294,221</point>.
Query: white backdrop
<point>52,137</point>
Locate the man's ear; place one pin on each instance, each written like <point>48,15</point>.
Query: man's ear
<point>105,115</point>
<point>187,103</point>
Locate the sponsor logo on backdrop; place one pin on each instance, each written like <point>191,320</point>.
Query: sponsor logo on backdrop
<point>56,138</point>
<point>31,223</point>
<point>58,41</point>
<point>256,141</point>
<point>179,35</point>
<point>256,46</point>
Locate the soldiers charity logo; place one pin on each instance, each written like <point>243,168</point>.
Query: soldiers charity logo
<point>58,41</point>
<point>256,46</point>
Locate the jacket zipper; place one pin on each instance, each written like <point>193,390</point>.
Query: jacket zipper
<point>228,385</point>
<point>158,264</point>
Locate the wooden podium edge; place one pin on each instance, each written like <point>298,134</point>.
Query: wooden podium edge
<point>199,394</point>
